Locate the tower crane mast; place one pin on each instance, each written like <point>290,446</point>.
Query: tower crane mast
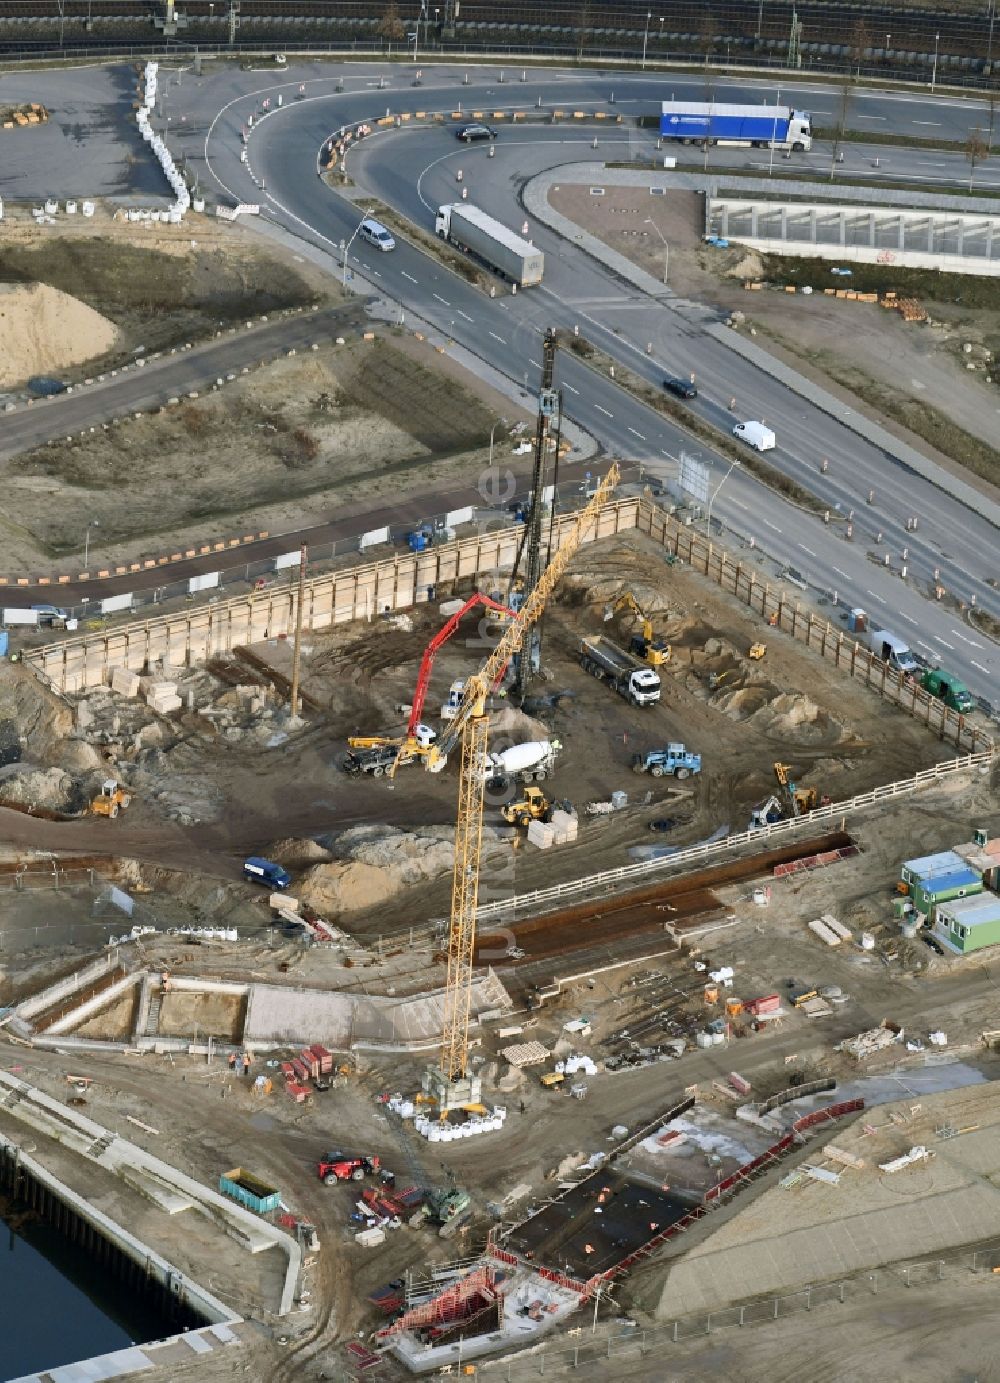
<point>449,1084</point>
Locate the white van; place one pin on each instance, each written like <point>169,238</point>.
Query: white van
<point>755,435</point>
<point>893,650</point>
<point>376,234</point>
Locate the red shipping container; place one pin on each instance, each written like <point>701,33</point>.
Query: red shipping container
<point>768,1004</point>
<point>297,1092</point>
<point>286,1070</point>
<point>324,1058</point>
<point>308,1059</point>
<point>300,1069</point>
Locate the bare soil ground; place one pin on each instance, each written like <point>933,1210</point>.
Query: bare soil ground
<point>914,378</point>
<point>160,285</point>
<point>282,446</point>
<point>836,737</point>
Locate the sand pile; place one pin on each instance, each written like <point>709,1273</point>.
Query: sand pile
<point>44,331</point>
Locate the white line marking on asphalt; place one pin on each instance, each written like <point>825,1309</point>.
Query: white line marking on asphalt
<point>739,504</point>
<point>979,666</point>
<point>938,639</point>
<point>771,525</point>
<point>874,596</point>
<point>637,434</point>
<point>440,299</point>
<point>666,454</point>
<point>498,338</point>
<point>935,123</point>
<point>603,410</point>
<point>842,573</point>
<point>909,619</point>
<point>408,276</point>
<point>806,549</point>
<point>464,314</point>
<point>571,389</point>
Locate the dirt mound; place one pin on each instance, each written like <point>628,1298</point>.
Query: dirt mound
<point>48,789</point>
<point>743,703</point>
<point>297,853</point>
<point>794,715</point>
<point>376,863</point>
<point>44,330</point>
<point>30,715</point>
<point>513,726</point>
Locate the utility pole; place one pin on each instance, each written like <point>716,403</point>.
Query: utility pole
<point>293,708</point>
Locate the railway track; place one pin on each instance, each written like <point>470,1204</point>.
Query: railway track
<point>880,39</point>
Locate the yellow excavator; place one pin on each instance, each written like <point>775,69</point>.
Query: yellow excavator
<point>799,799</point>
<point>652,650</point>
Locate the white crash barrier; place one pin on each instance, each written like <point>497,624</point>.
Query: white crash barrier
<point>182,198</point>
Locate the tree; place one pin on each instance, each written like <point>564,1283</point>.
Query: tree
<point>857,47</point>
<point>582,29</point>
<point>991,102</point>
<point>709,35</point>
<point>390,26</point>
<point>846,92</point>
<point>976,149</point>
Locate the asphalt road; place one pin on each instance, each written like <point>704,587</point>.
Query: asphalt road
<point>414,170</point>
<point>173,375</point>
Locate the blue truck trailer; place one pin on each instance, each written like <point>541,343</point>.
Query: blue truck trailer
<point>695,122</point>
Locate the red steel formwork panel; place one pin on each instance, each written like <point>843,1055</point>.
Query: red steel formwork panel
<point>446,1305</point>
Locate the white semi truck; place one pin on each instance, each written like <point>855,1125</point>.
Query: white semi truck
<point>490,241</point>
<point>627,675</point>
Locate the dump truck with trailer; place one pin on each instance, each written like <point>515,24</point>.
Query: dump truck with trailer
<point>628,675</point>
<point>759,126</point>
<point>676,761</point>
<point>490,241</point>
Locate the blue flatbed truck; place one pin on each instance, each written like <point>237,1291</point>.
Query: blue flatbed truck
<point>698,122</point>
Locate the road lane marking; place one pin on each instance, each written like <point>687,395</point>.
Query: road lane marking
<point>603,410</point>
<point>874,596</point>
<point>571,389</point>
<point>498,338</point>
<point>739,504</point>
<point>637,434</point>
<point>440,299</point>
<point>979,666</point>
<point>771,525</point>
<point>909,619</point>
<point>938,639</point>
<point>806,549</point>
<point>408,276</point>
<point>464,314</point>
<point>935,123</point>
<point>842,573</point>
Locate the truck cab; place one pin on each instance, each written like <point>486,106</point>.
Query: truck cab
<point>645,687</point>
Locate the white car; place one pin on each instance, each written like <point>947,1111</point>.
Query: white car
<point>755,435</point>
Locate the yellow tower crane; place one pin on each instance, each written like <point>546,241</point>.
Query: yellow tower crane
<point>449,1084</point>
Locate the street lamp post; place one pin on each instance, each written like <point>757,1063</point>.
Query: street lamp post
<point>94,523</point>
<point>937,41</point>
<point>774,135</point>
<point>645,38</point>
<point>708,523</point>
<point>666,247</point>
<point>348,245</point>
<point>492,435</point>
